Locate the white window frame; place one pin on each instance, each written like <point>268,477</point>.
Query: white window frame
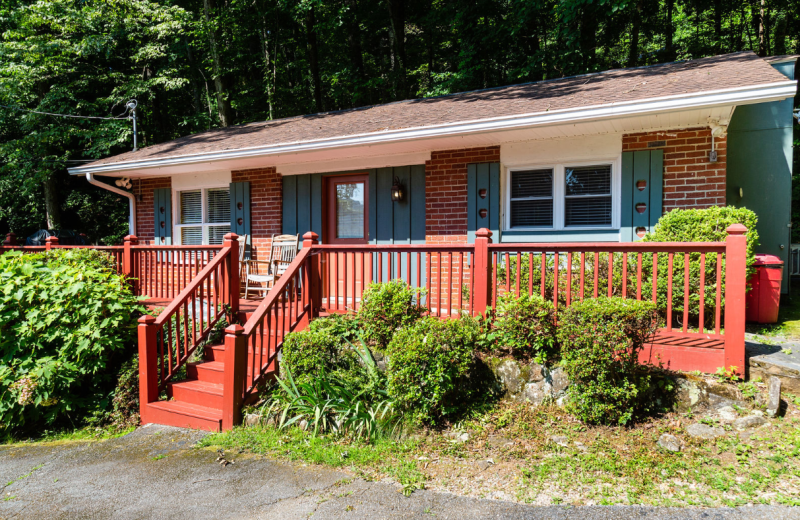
<point>559,192</point>
<point>176,203</point>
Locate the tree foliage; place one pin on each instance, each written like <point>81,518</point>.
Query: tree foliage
<point>198,64</point>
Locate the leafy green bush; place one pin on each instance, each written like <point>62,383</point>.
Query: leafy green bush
<point>694,225</point>
<point>316,350</point>
<point>600,342</point>
<point>387,307</point>
<point>125,403</point>
<point>525,326</point>
<point>428,368</point>
<point>66,320</point>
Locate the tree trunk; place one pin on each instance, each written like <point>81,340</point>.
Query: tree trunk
<point>220,81</point>
<point>633,54</point>
<point>52,209</point>
<point>313,57</point>
<point>397,12</point>
<point>588,36</point>
<point>356,53</point>
<point>670,31</point>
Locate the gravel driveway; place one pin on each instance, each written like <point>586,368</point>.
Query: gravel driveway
<point>154,473</point>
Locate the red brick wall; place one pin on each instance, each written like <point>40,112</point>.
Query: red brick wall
<point>266,207</point>
<point>145,225</point>
<point>690,181</point>
<point>446,192</point>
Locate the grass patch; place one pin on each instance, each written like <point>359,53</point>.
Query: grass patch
<point>88,433</point>
<point>511,454</point>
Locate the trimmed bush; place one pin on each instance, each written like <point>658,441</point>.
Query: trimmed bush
<point>387,307</point>
<point>428,368</point>
<point>600,343</point>
<point>525,326</point>
<point>320,348</point>
<point>66,321</point>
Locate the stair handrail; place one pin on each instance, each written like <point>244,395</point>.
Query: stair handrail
<point>301,275</point>
<point>216,284</point>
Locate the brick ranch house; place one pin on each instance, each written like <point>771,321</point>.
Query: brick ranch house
<point>454,194</point>
<point>597,157</point>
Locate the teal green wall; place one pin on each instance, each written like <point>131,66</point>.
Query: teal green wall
<point>390,222</point>
<point>760,163</point>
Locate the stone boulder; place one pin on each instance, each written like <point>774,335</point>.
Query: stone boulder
<point>530,382</point>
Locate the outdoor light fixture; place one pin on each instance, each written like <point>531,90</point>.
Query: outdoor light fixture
<point>397,190</point>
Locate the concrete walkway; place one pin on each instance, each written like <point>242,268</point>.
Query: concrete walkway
<point>779,357</point>
<point>155,473</point>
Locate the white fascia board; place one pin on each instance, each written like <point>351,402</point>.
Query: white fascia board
<point>736,96</point>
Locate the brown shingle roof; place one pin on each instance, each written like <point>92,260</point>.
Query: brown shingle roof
<point>720,72</point>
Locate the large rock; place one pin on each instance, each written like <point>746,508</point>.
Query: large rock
<point>774,402</point>
<point>530,382</point>
<point>510,375</point>
<point>751,421</point>
<point>704,431</point>
<point>669,442</point>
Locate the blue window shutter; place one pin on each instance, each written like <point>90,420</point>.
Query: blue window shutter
<point>240,208</point>
<point>162,216</point>
<point>641,204</point>
<point>483,212</point>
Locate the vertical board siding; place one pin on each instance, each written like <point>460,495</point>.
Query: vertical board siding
<point>626,198</point>
<point>656,186</point>
<point>290,204</point>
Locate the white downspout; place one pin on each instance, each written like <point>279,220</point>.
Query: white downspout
<point>131,198</point>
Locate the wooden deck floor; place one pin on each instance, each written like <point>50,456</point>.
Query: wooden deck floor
<point>244,305</point>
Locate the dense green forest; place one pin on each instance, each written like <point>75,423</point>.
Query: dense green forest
<point>197,64</point>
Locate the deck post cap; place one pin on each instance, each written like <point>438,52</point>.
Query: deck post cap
<point>310,235</point>
<point>231,236</point>
<point>483,233</point>
<point>235,329</point>
<point>131,238</point>
<point>147,319</point>
<point>52,240</point>
<point>736,229</point>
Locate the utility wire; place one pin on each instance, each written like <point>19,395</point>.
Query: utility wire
<point>115,118</point>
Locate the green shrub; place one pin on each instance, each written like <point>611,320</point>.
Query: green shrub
<point>125,403</point>
<point>387,307</point>
<point>525,326</point>
<point>694,225</point>
<point>314,351</point>
<point>428,368</point>
<point>66,320</point>
<point>600,342</point>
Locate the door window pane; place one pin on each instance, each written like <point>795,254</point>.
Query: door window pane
<point>350,210</point>
<point>587,196</point>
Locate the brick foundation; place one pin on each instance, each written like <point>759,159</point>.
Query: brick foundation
<point>446,192</point>
<point>266,208</point>
<point>145,224</point>
<point>690,181</point>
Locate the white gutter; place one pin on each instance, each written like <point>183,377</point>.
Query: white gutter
<point>739,95</point>
<point>129,195</point>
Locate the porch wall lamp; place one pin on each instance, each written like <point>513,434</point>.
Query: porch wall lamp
<point>397,190</point>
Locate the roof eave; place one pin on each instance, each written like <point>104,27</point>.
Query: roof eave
<point>737,96</point>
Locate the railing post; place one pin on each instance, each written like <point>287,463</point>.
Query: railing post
<point>482,299</point>
<point>11,240</point>
<point>735,288</point>
<point>231,240</point>
<point>127,260</point>
<point>310,239</point>
<point>148,373</point>
<point>234,376</point>
<point>50,243</point>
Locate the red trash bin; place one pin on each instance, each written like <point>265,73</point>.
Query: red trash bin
<point>764,297</point>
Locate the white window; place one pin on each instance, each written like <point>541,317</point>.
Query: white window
<point>561,196</point>
<point>204,215</point>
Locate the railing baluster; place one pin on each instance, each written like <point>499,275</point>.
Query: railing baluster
<point>555,280</point>
<point>583,272</point>
<point>639,276</point>
<point>419,277</point>
<point>519,270</point>
<point>495,258</point>
<point>439,284</point>
<point>718,306</point>
<point>625,274</point>
<point>460,281</point>
<point>429,281</point>
<point>508,274</point>
<point>669,291</point>
<point>530,274</point>
<point>596,273</point>
<point>449,284</point>
<point>336,282</point>
<point>701,325</point>
<point>655,278</point>
<point>610,273</point>
<point>569,278</point>
<point>685,292</point>
<point>543,283</point>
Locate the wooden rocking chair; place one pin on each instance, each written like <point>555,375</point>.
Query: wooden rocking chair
<point>281,253</point>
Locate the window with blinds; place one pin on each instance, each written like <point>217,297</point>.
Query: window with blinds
<point>587,196</point>
<point>205,216</point>
<point>532,198</point>
<point>560,196</point>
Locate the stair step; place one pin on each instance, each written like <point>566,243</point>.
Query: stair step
<point>207,371</point>
<point>216,353</point>
<point>183,415</point>
<point>200,393</point>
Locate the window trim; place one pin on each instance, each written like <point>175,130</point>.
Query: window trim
<point>176,204</point>
<point>559,193</point>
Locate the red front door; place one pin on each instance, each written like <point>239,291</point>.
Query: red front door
<point>347,222</point>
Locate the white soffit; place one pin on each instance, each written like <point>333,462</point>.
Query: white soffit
<point>643,115</point>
